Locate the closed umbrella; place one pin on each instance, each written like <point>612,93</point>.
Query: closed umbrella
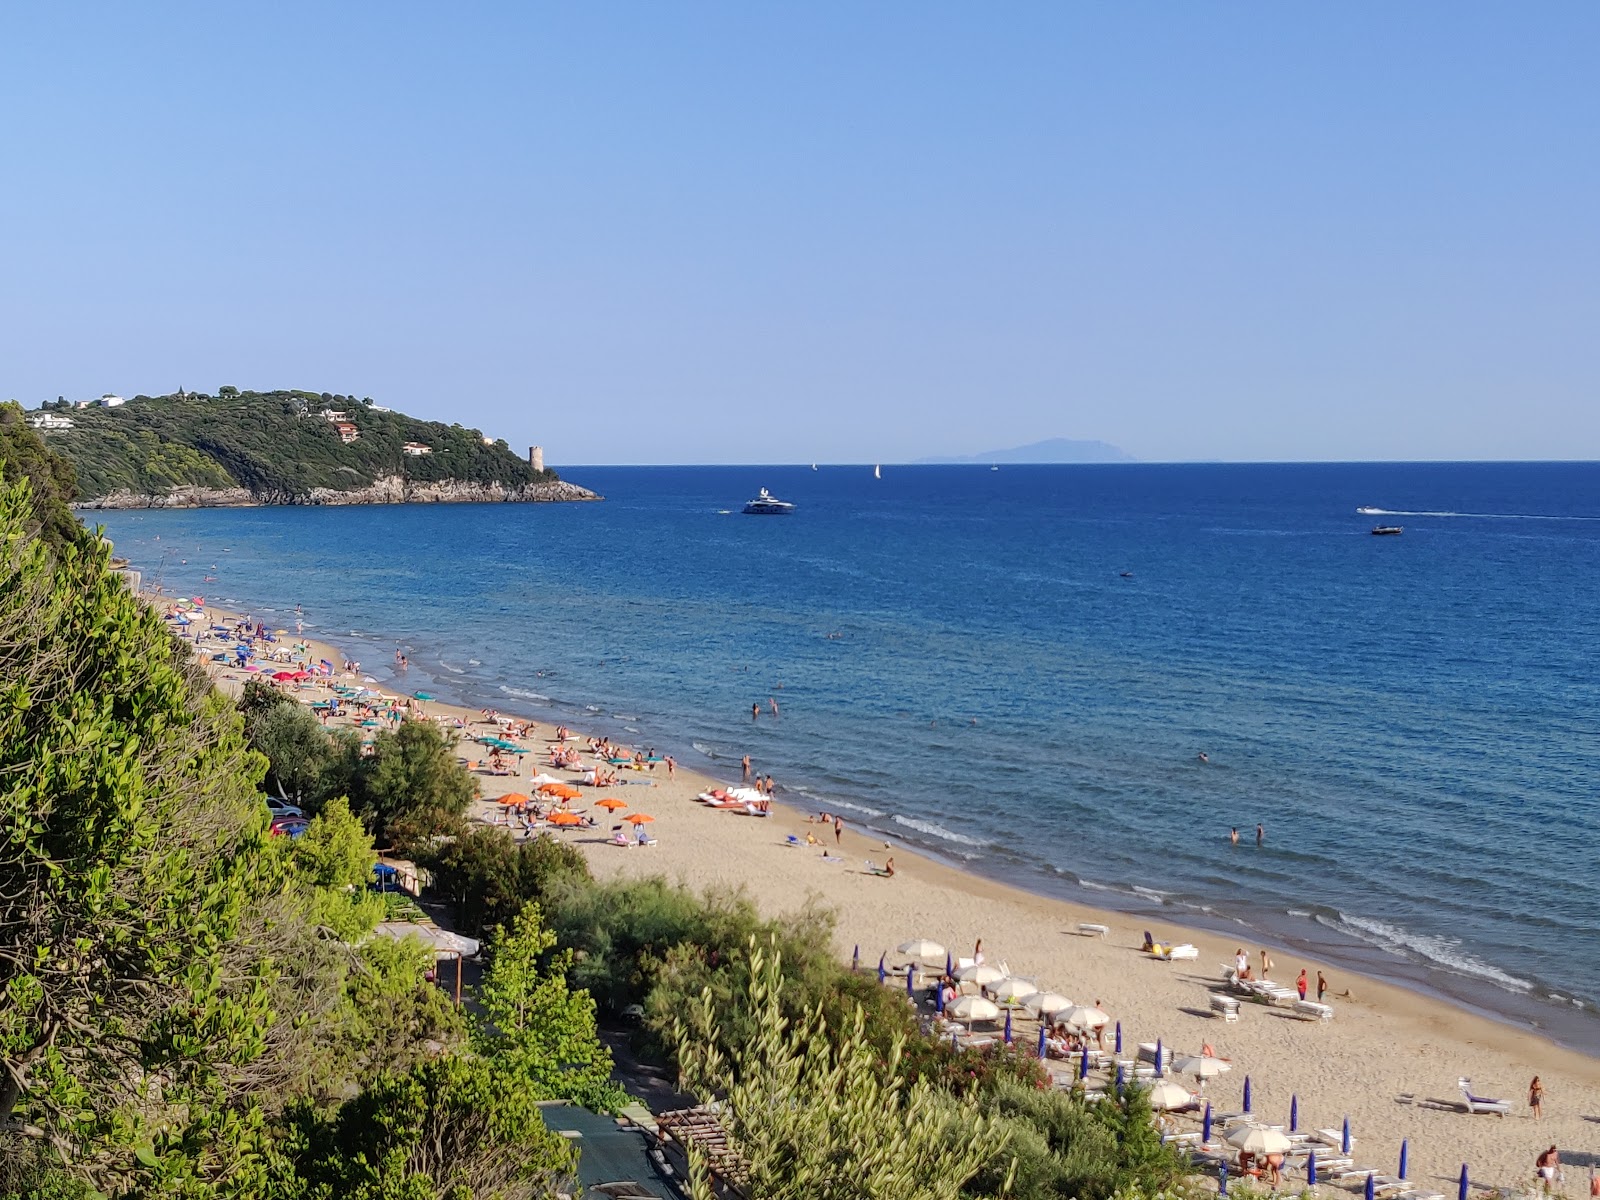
<point>1081,1017</point>
<point>980,973</point>
<point>1461,1192</point>
<point>938,998</point>
<point>1044,1048</point>
<point>855,958</point>
<point>1344,1137</point>
<point>1205,1126</point>
<point>1008,1027</point>
<point>1257,1139</point>
<point>1247,1097</point>
<point>1168,1095</point>
<point>949,964</point>
<point>1372,1186</point>
<point>1046,1004</point>
<point>911,982</point>
<point>1404,1148</point>
<point>1294,1115</point>
<point>1083,1064</point>
<point>1160,1054</point>
<point>1222,1179</point>
<point>922,949</point>
<point>974,1008</point>
<point>1311,1169</point>
<point>882,973</point>
<point>1118,1046</point>
<point>1201,1067</point>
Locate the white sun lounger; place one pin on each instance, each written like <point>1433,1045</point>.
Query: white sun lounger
<point>1310,1010</point>
<point>1091,929</point>
<point>1332,1137</point>
<point>1482,1104</point>
<point>1226,1007</point>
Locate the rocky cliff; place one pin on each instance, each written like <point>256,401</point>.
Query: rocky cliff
<point>388,489</point>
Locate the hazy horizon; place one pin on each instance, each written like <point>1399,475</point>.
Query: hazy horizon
<point>722,234</point>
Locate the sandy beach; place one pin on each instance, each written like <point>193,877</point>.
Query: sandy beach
<point>1383,1057</point>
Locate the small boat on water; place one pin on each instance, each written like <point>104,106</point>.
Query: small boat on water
<point>768,505</point>
<point>1367,511</point>
<point>1387,530</point>
<point>877,471</point>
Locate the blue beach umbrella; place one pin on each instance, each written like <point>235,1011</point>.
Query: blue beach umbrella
<point>949,964</point>
<point>911,981</point>
<point>1205,1126</point>
<point>1405,1147</point>
<point>1158,1057</point>
<point>1119,1037</point>
<point>1372,1186</point>
<point>882,974</point>
<point>423,695</point>
<point>855,958</point>
<point>1247,1093</point>
<point>1083,1064</point>
<point>938,999</point>
<point>1344,1138</point>
<point>1120,1078</point>
<point>1044,1050</point>
<point>1008,1029</point>
<point>1294,1115</point>
<point>1222,1179</point>
<point>1462,1193</point>
<point>1311,1169</point>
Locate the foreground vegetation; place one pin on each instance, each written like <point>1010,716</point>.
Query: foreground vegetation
<point>190,1007</point>
<point>275,444</point>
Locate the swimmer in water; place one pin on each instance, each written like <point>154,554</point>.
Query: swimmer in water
<point>1233,836</point>
<point>1203,757</point>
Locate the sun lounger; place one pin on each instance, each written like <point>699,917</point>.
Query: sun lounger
<point>1090,929</point>
<point>1331,1137</point>
<point>1310,1010</point>
<point>1419,1194</point>
<point>1179,953</point>
<point>1482,1104</point>
<point>1226,1007</point>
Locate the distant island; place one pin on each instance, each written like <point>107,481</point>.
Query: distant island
<point>1051,450</point>
<point>193,450</point>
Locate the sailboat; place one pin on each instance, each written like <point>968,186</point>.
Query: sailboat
<point>813,466</point>
<point>877,471</point>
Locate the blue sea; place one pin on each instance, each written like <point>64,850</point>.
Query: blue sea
<point>1017,670</point>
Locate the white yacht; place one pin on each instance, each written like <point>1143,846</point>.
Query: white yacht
<point>768,505</point>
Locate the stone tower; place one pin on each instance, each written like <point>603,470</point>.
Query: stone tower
<point>536,457</point>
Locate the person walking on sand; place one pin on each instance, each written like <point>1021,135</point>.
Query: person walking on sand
<point>838,831</point>
<point>1322,986</point>
<point>1266,964</point>
<point>1536,1098</point>
<point>671,766</point>
<point>1301,983</point>
<point>1548,1166</point>
<point>745,761</point>
<point>977,953</point>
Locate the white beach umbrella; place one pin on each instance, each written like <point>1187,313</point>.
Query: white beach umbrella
<point>543,778</point>
<point>1082,1017</point>
<point>1013,989</point>
<point>1201,1068</point>
<point>1168,1094</point>
<point>980,973</point>
<point>973,1008</point>
<point>921,948</point>
<point>1046,1004</point>
<point>1257,1139</point>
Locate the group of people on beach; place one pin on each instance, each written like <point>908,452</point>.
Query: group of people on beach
<point>1241,970</point>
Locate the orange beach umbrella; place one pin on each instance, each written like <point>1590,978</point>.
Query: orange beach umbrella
<point>565,818</point>
<point>511,798</point>
<point>611,803</point>
<point>637,819</point>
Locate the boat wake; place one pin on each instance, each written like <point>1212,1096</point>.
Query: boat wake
<point>1476,516</point>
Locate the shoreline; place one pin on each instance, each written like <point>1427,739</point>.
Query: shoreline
<point>1387,1048</point>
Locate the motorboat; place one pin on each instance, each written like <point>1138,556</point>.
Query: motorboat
<point>1387,530</point>
<point>768,505</point>
<point>1368,511</point>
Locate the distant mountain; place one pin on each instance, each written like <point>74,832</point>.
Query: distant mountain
<point>1051,450</point>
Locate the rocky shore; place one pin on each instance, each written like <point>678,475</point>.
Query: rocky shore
<point>390,489</point>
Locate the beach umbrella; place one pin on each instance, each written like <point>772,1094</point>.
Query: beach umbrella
<point>1222,1179</point>
<point>1461,1193</point>
<point>1159,1056</point>
<point>1118,1046</point>
<point>514,798</point>
<point>1247,1093</point>
<point>1405,1146</point>
<point>882,974</point>
<point>422,695</point>
<point>974,1008</point>
<point>1121,1076</point>
<point>1201,1067</point>
<point>1294,1115</point>
<point>283,676</point>
<point>949,964</point>
<point>1012,991</point>
<point>611,803</point>
<point>1081,1017</point>
<point>1205,1126</point>
<point>855,958</point>
<point>921,948</point>
<point>1044,1004</point>
<point>638,818</point>
<point>1257,1139</point>
<point>1083,1064</point>
<point>1344,1137</point>
<point>938,998</point>
<point>1372,1186</point>
<point>541,779</point>
<point>1008,1027</point>
<point>1311,1169</point>
<point>980,973</point>
<point>1168,1095</point>
<point>911,981</point>
<point>1044,1048</point>
<point>564,818</point>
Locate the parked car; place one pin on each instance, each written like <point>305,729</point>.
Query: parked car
<point>282,808</point>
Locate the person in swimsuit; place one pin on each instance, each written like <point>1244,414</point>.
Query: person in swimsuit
<point>1536,1098</point>
<point>1548,1166</point>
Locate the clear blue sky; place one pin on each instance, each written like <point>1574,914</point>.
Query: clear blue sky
<point>751,232</point>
